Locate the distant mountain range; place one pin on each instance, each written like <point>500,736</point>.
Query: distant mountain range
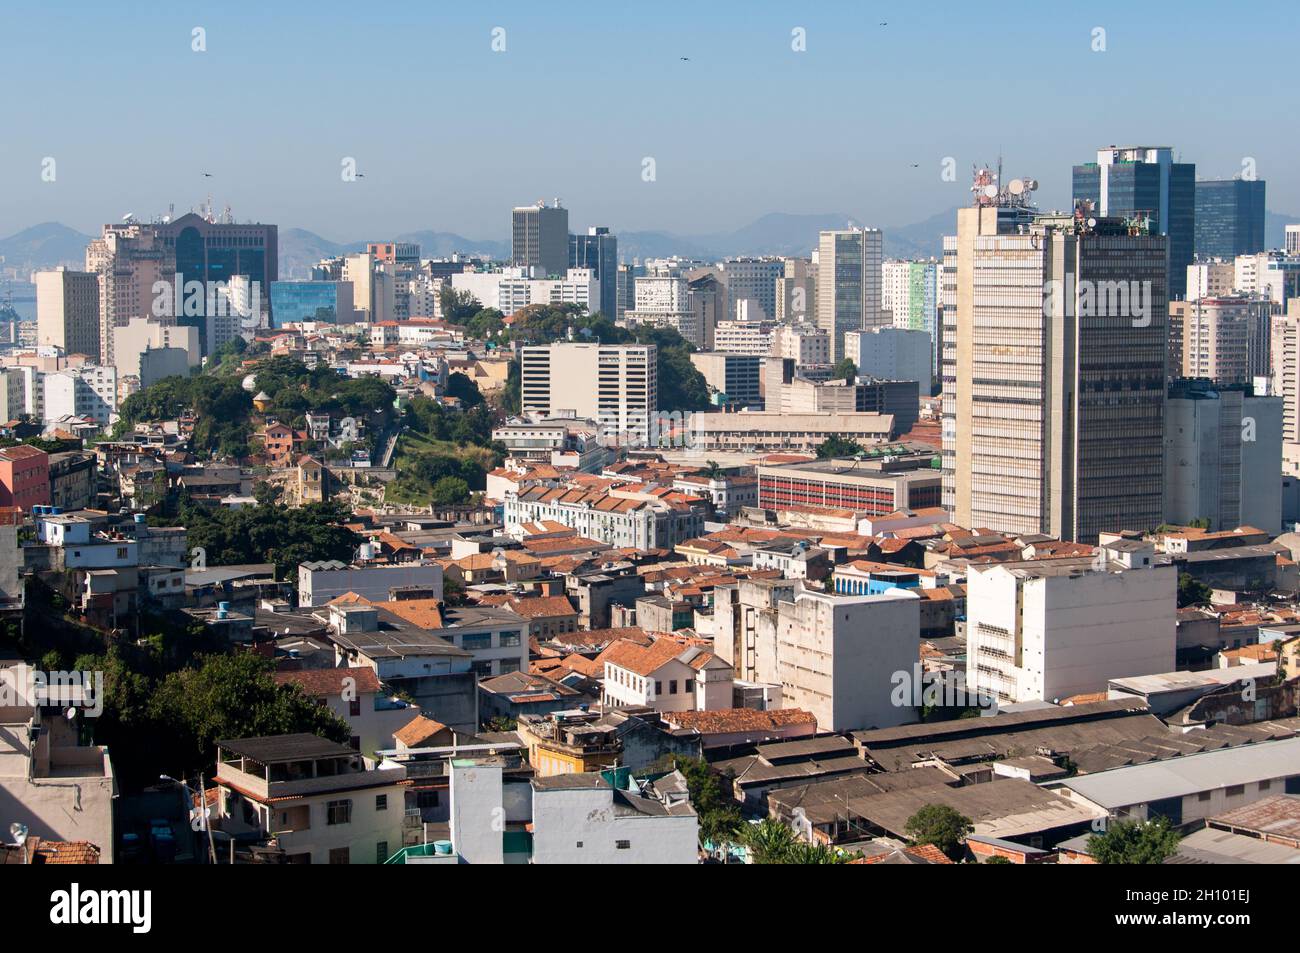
<point>44,246</point>
<point>778,233</point>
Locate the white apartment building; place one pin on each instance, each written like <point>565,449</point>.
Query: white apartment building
<point>515,288</point>
<point>87,391</point>
<point>1269,274</point>
<point>564,819</point>
<point>666,676</point>
<point>802,343</point>
<point>835,656</point>
<point>1049,629</point>
<point>1285,358</point>
<point>910,293</point>
<point>316,797</point>
<point>744,335</point>
<point>1223,450</point>
<point>1214,278</point>
<point>611,383</point>
<point>664,301</point>
<point>321,581</point>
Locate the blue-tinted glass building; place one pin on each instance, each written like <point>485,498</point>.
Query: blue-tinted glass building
<point>1145,181</point>
<point>212,252</point>
<point>293,302</point>
<point>1229,218</point>
<point>598,250</point>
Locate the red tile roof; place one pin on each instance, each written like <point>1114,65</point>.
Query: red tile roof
<point>319,682</point>
<point>418,730</point>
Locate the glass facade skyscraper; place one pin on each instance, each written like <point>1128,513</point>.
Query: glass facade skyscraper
<point>211,252</point>
<point>598,250</point>
<point>1229,218</point>
<point>1146,182</point>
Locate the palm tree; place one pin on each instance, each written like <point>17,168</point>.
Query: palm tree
<point>804,853</point>
<point>769,841</point>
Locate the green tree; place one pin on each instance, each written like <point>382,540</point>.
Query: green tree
<point>1191,592</point>
<point>804,853</point>
<point>845,370</point>
<point>719,817</point>
<point>1135,842</point>
<point>450,490</point>
<point>836,446</point>
<point>464,389</point>
<point>457,307</point>
<point>234,696</point>
<point>940,825</point>
<point>769,841</point>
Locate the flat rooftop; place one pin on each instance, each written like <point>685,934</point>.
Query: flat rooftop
<point>1188,681</point>
<point>1191,774</point>
<point>277,748</point>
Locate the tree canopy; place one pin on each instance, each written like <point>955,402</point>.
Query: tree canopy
<point>1135,842</point>
<point>269,533</point>
<point>940,825</point>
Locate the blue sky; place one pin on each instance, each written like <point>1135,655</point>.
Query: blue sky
<point>450,135</point>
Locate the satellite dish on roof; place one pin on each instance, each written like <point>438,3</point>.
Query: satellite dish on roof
<point>991,191</point>
<point>1016,187</point>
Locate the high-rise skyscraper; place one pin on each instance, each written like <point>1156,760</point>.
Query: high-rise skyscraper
<point>215,252</point>
<point>910,293</point>
<point>796,291</point>
<point>1146,182</point>
<point>753,278</point>
<point>130,261</point>
<point>848,283</point>
<point>540,238</point>
<point>1060,373</point>
<point>67,311</point>
<point>598,251</point>
<point>1229,217</point>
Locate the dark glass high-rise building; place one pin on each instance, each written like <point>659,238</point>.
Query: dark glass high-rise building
<point>1229,217</point>
<point>1146,182</point>
<point>598,250</point>
<point>212,252</point>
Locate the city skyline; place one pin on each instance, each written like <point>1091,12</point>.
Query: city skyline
<point>803,143</point>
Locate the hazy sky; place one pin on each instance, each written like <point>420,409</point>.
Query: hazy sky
<point>450,134</point>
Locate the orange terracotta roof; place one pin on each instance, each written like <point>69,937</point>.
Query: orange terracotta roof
<point>423,613</point>
<point>641,659</point>
<point>418,730</point>
<point>350,598</point>
<point>65,852</point>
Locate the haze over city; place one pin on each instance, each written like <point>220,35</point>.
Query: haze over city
<point>446,130</point>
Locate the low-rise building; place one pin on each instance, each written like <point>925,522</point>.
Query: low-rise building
<point>314,798</point>
<point>666,675</point>
<point>356,696</point>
